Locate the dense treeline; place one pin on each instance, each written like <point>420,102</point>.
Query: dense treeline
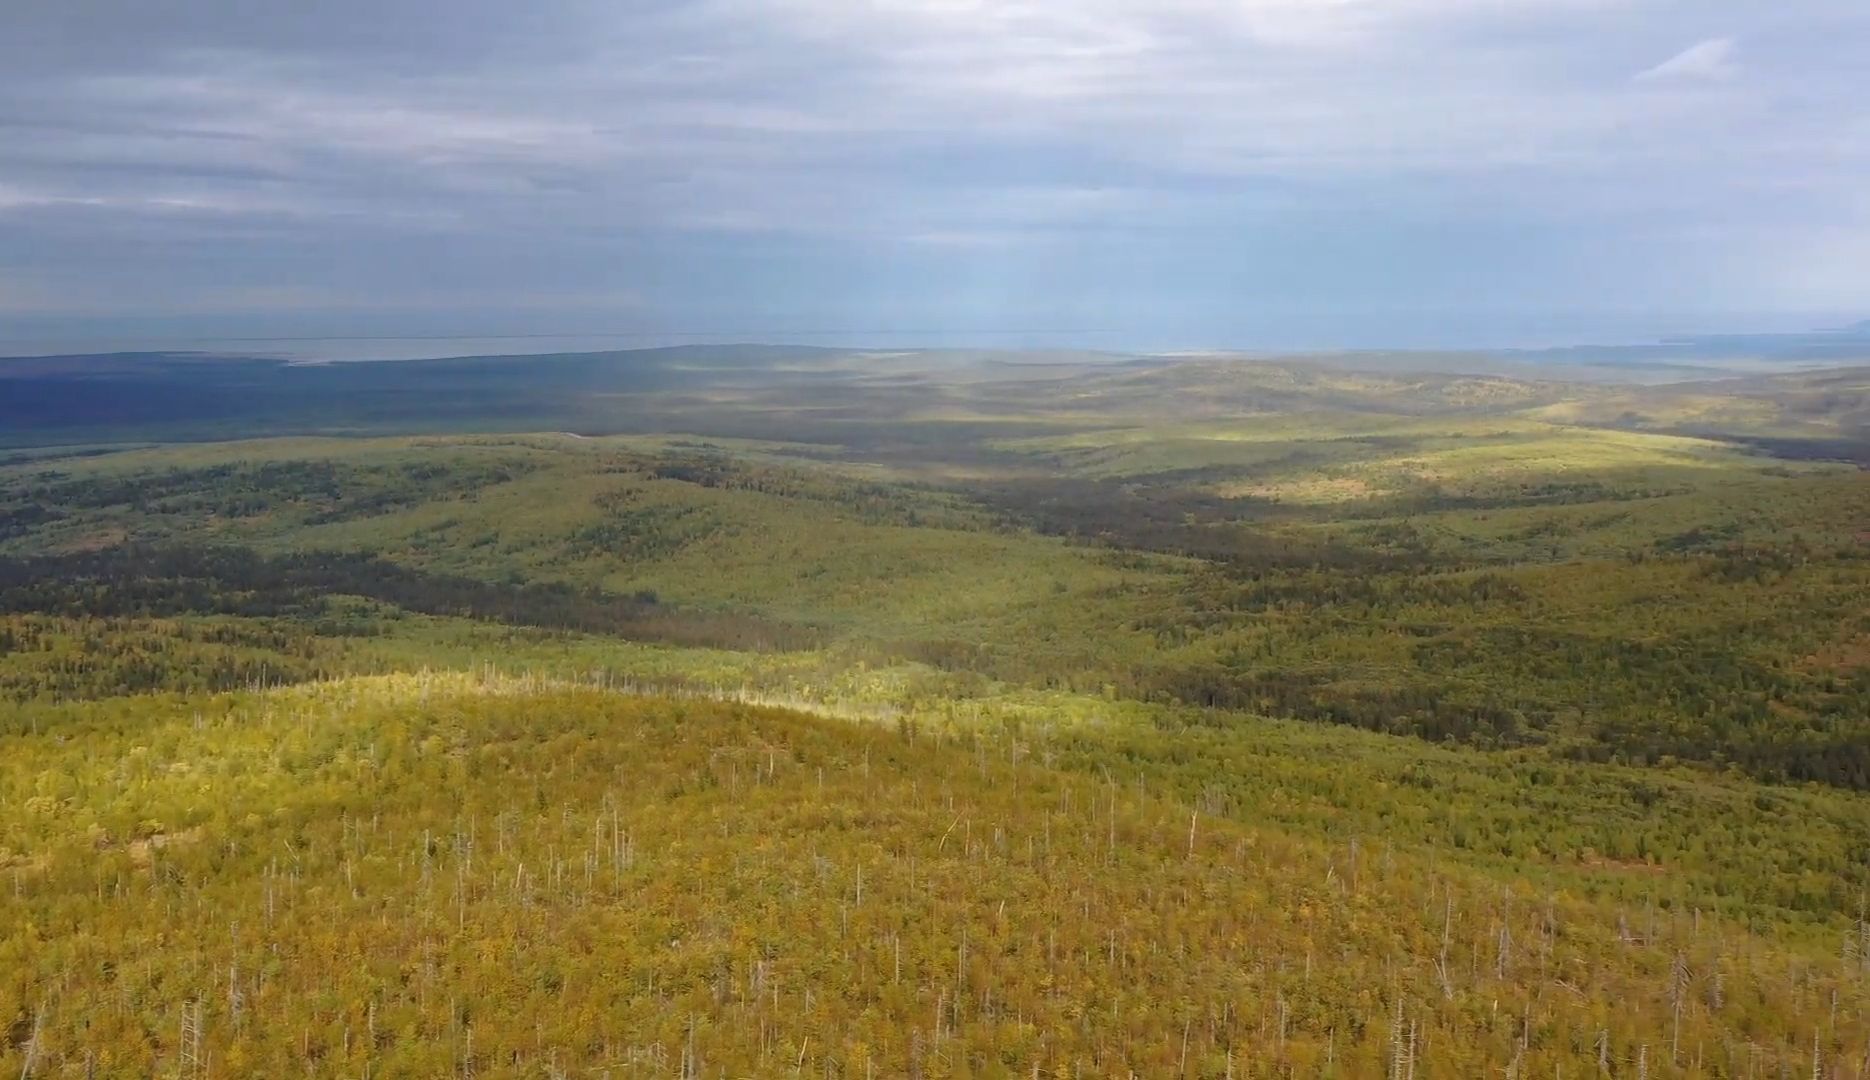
<point>1677,839</point>
<point>145,580</point>
<point>322,491</point>
<point>63,658</point>
<point>1161,517</point>
<point>1854,447</point>
<point>1492,657</point>
<point>1422,710</point>
<point>1165,512</point>
<point>871,503</point>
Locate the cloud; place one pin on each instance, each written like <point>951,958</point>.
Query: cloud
<point>710,156</point>
<point>1712,59</point>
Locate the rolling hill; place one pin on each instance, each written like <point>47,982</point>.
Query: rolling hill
<point>840,713</point>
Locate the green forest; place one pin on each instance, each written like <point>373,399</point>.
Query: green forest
<point>833,714</point>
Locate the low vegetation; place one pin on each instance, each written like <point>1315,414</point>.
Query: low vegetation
<point>1360,723</point>
<point>444,876</point>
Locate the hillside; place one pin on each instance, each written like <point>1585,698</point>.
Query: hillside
<point>1464,578</point>
<point>439,875</point>
<point>1824,413</point>
<point>932,713</point>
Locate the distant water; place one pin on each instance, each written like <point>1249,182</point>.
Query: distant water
<point>334,349</point>
<point>1316,332</point>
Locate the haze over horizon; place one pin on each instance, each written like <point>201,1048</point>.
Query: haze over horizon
<point>1261,173</point>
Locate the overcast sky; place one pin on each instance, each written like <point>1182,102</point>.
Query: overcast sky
<point>1166,172</point>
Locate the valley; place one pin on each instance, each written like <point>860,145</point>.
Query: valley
<point>763,711</point>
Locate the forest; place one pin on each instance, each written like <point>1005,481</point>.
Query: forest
<point>822,713</point>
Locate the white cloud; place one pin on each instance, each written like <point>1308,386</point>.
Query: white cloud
<point>248,102</point>
<point>1712,59</point>
<point>742,126</point>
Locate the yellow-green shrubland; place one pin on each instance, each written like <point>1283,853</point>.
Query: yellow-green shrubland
<point>1192,719</point>
<point>437,875</point>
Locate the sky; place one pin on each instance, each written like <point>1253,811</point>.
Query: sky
<point>1169,173</point>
